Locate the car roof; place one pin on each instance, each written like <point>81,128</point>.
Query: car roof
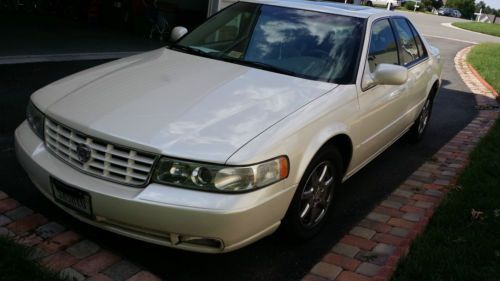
<point>327,7</point>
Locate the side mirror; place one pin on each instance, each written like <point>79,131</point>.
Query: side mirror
<point>390,74</point>
<point>178,32</point>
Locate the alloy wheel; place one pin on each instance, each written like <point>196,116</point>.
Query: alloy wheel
<point>317,194</point>
<point>424,117</point>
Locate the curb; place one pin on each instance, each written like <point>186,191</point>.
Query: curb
<point>371,250</point>
<point>485,94</point>
<point>484,82</point>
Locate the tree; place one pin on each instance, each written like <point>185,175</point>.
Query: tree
<point>480,5</point>
<point>437,3</point>
<point>466,7</point>
<point>487,9</point>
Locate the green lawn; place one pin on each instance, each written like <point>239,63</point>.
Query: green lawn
<point>15,265</point>
<point>485,58</point>
<point>486,28</point>
<point>462,240</point>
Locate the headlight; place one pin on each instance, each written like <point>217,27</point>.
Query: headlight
<point>220,178</point>
<point>35,119</point>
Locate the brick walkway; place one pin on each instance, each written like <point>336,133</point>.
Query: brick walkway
<point>63,250</point>
<point>372,249</point>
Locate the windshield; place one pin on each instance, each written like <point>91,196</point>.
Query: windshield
<point>307,44</point>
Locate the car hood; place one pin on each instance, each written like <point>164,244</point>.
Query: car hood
<point>176,104</point>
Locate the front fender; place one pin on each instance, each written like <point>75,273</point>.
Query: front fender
<point>303,133</point>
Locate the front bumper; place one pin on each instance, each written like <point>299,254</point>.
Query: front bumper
<point>160,214</point>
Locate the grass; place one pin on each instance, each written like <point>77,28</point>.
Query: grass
<point>485,58</point>
<point>16,266</point>
<point>462,240</point>
<point>486,28</point>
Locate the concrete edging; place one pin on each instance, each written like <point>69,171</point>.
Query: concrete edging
<point>372,248</point>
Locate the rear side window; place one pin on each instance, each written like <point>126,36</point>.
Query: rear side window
<point>422,53</point>
<point>409,50</point>
<point>383,47</point>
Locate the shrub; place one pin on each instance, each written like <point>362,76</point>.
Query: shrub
<point>410,5</point>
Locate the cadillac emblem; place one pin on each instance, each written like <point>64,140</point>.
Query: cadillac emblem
<point>83,152</point>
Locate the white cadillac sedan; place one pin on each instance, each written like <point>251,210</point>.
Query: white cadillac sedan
<point>246,123</point>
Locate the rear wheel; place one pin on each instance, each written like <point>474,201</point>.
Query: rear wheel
<point>369,3</point>
<point>416,132</point>
<point>312,201</point>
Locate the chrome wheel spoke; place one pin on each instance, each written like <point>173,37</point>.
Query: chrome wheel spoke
<point>328,181</point>
<point>323,174</point>
<point>308,194</point>
<point>305,211</point>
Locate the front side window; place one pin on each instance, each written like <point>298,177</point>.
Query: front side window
<point>383,47</point>
<point>409,50</point>
<point>301,43</point>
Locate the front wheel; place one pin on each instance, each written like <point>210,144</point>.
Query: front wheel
<point>418,129</point>
<point>312,201</point>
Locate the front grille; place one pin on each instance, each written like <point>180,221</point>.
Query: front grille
<point>108,161</point>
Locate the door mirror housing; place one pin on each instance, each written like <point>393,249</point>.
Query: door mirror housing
<point>178,32</point>
<point>390,74</point>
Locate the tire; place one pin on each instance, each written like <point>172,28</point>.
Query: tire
<point>417,130</point>
<point>369,3</point>
<point>311,203</point>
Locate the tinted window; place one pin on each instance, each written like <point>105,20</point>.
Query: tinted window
<point>301,43</point>
<point>383,47</point>
<point>422,53</point>
<point>409,51</point>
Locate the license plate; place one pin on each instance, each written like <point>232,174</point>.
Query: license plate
<point>71,197</point>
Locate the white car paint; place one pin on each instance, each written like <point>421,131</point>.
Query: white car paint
<point>175,116</point>
<point>220,113</point>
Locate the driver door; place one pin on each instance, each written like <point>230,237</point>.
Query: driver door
<point>382,107</point>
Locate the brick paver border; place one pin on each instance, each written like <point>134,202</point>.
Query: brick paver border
<point>63,250</point>
<point>370,251</point>
<point>372,248</point>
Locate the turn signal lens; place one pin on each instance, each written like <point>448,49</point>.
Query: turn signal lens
<point>35,119</point>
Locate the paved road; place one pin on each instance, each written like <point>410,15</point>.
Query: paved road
<point>273,258</point>
<point>431,26</point>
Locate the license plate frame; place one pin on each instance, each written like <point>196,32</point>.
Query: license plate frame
<point>71,197</point>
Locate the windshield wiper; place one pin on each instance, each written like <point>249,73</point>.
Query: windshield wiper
<point>261,65</point>
<point>191,50</point>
